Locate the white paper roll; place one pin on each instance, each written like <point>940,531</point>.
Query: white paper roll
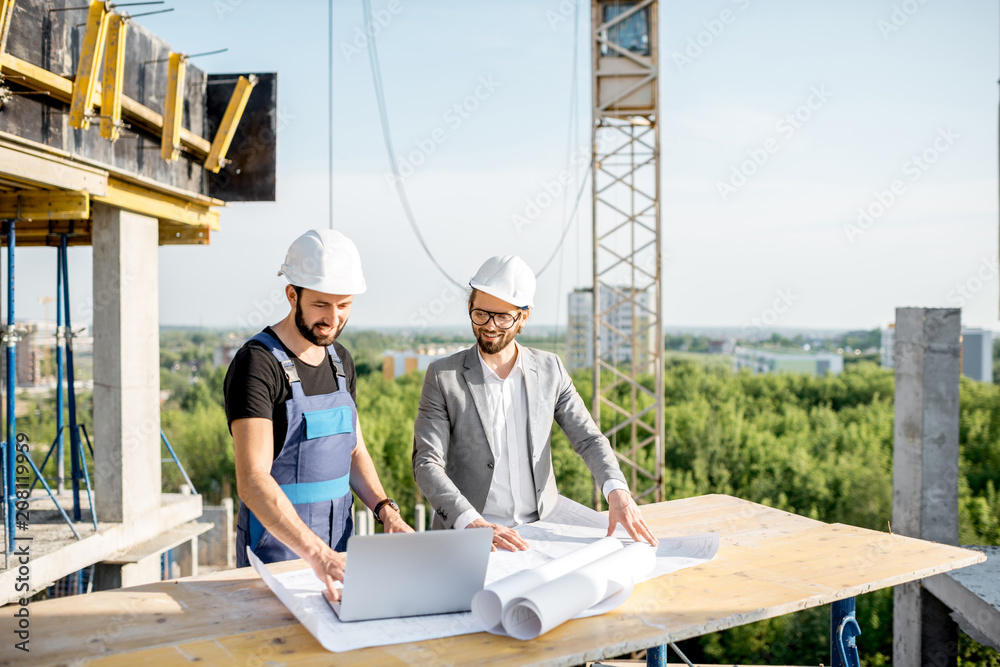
<point>488,605</point>
<point>598,586</point>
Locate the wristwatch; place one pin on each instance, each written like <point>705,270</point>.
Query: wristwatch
<point>382,503</point>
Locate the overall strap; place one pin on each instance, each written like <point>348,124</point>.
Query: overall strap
<point>287,365</point>
<point>339,365</point>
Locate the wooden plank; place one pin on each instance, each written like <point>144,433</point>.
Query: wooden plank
<point>45,205</point>
<point>39,168</point>
<point>132,197</point>
<point>769,563</point>
<point>171,234</point>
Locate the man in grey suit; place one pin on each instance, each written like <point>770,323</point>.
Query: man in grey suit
<point>481,446</point>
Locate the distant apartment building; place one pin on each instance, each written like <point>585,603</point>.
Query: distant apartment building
<point>977,352</point>
<point>223,353</point>
<point>400,362</point>
<point>888,345</point>
<point>722,346</point>
<point>28,357</point>
<point>616,339</point>
<point>766,361</point>
<point>580,330</point>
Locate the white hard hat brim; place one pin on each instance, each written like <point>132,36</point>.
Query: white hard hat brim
<point>501,294</point>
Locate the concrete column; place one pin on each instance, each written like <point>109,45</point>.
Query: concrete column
<point>925,471</point>
<point>109,576</point>
<point>126,367</point>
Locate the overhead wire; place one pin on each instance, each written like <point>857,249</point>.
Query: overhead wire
<point>376,71</point>
<point>572,126</point>
<point>387,138</point>
<point>330,108</point>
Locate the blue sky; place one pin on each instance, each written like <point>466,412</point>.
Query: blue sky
<point>897,107</point>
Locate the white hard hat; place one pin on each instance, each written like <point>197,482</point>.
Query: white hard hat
<point>506,277</point>
<point>326,261</point>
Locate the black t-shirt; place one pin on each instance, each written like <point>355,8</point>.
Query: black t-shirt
<point>256,385</point>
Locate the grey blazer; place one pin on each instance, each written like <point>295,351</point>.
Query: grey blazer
<point>452,457</point>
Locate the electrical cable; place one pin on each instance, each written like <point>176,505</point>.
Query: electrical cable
<point>387,138</point>
<point>397,178</point>
<point>572,125</point>
<point>330,109</point>
<point>565,230</point>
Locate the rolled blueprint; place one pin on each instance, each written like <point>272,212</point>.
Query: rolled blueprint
<point>596,588</point>
<point>488,604</point>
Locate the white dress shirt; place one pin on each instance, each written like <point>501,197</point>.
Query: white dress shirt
<point>511,500</point>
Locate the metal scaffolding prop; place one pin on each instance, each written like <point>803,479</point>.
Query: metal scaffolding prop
<point>627,310</point>
<point>10,443</point>
<point>64,355</point>
<point>19,469</point>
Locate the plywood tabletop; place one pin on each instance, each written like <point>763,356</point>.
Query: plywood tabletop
<point>769,563</point>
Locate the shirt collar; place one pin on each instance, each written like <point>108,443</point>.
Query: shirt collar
<point>490,373</point>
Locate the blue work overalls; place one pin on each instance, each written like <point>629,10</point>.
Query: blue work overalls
<point>313,467</point>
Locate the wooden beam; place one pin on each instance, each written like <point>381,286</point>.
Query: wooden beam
<point>136,198</point>
<point>61,88</point>
<point>38,168</point>
<point>37,233</point>
<point>60,156</point>
<point>45,205</point>
<point>184,234</point>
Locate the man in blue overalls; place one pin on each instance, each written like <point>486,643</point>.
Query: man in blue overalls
<point>292,413</point>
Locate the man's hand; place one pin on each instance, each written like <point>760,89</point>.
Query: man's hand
<point>392,522</point>
<point>503,537</point>
<point>329,567</point>
<point>623,510</point>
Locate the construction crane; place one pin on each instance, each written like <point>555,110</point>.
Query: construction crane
<point>627,303</point>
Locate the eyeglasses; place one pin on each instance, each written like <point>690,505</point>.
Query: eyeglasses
<point>502,320</point>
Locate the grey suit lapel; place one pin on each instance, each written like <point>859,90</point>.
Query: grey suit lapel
<point>531,392</point>
<point>477,387</point>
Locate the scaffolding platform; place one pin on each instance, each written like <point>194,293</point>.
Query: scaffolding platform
<point>54,552</point>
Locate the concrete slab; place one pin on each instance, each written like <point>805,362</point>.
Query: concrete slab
<point>53,552</point>
<point>973,593</point>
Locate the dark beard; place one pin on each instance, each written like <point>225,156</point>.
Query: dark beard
<point>493,347</point>
<point>308,333</point>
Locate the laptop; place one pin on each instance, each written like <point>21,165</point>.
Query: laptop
<point>413,574</point>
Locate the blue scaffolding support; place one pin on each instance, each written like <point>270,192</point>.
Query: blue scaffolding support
<point>64,336</point>
<point>9,483</point>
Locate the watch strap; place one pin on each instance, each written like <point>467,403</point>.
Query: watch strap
<point>382,503</point>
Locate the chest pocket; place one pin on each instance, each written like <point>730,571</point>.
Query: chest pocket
<point>320,423</point>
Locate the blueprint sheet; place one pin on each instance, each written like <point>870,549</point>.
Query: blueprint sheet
<point>569,527</point>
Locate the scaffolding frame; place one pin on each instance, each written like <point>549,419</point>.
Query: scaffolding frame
<point>627,267</point>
